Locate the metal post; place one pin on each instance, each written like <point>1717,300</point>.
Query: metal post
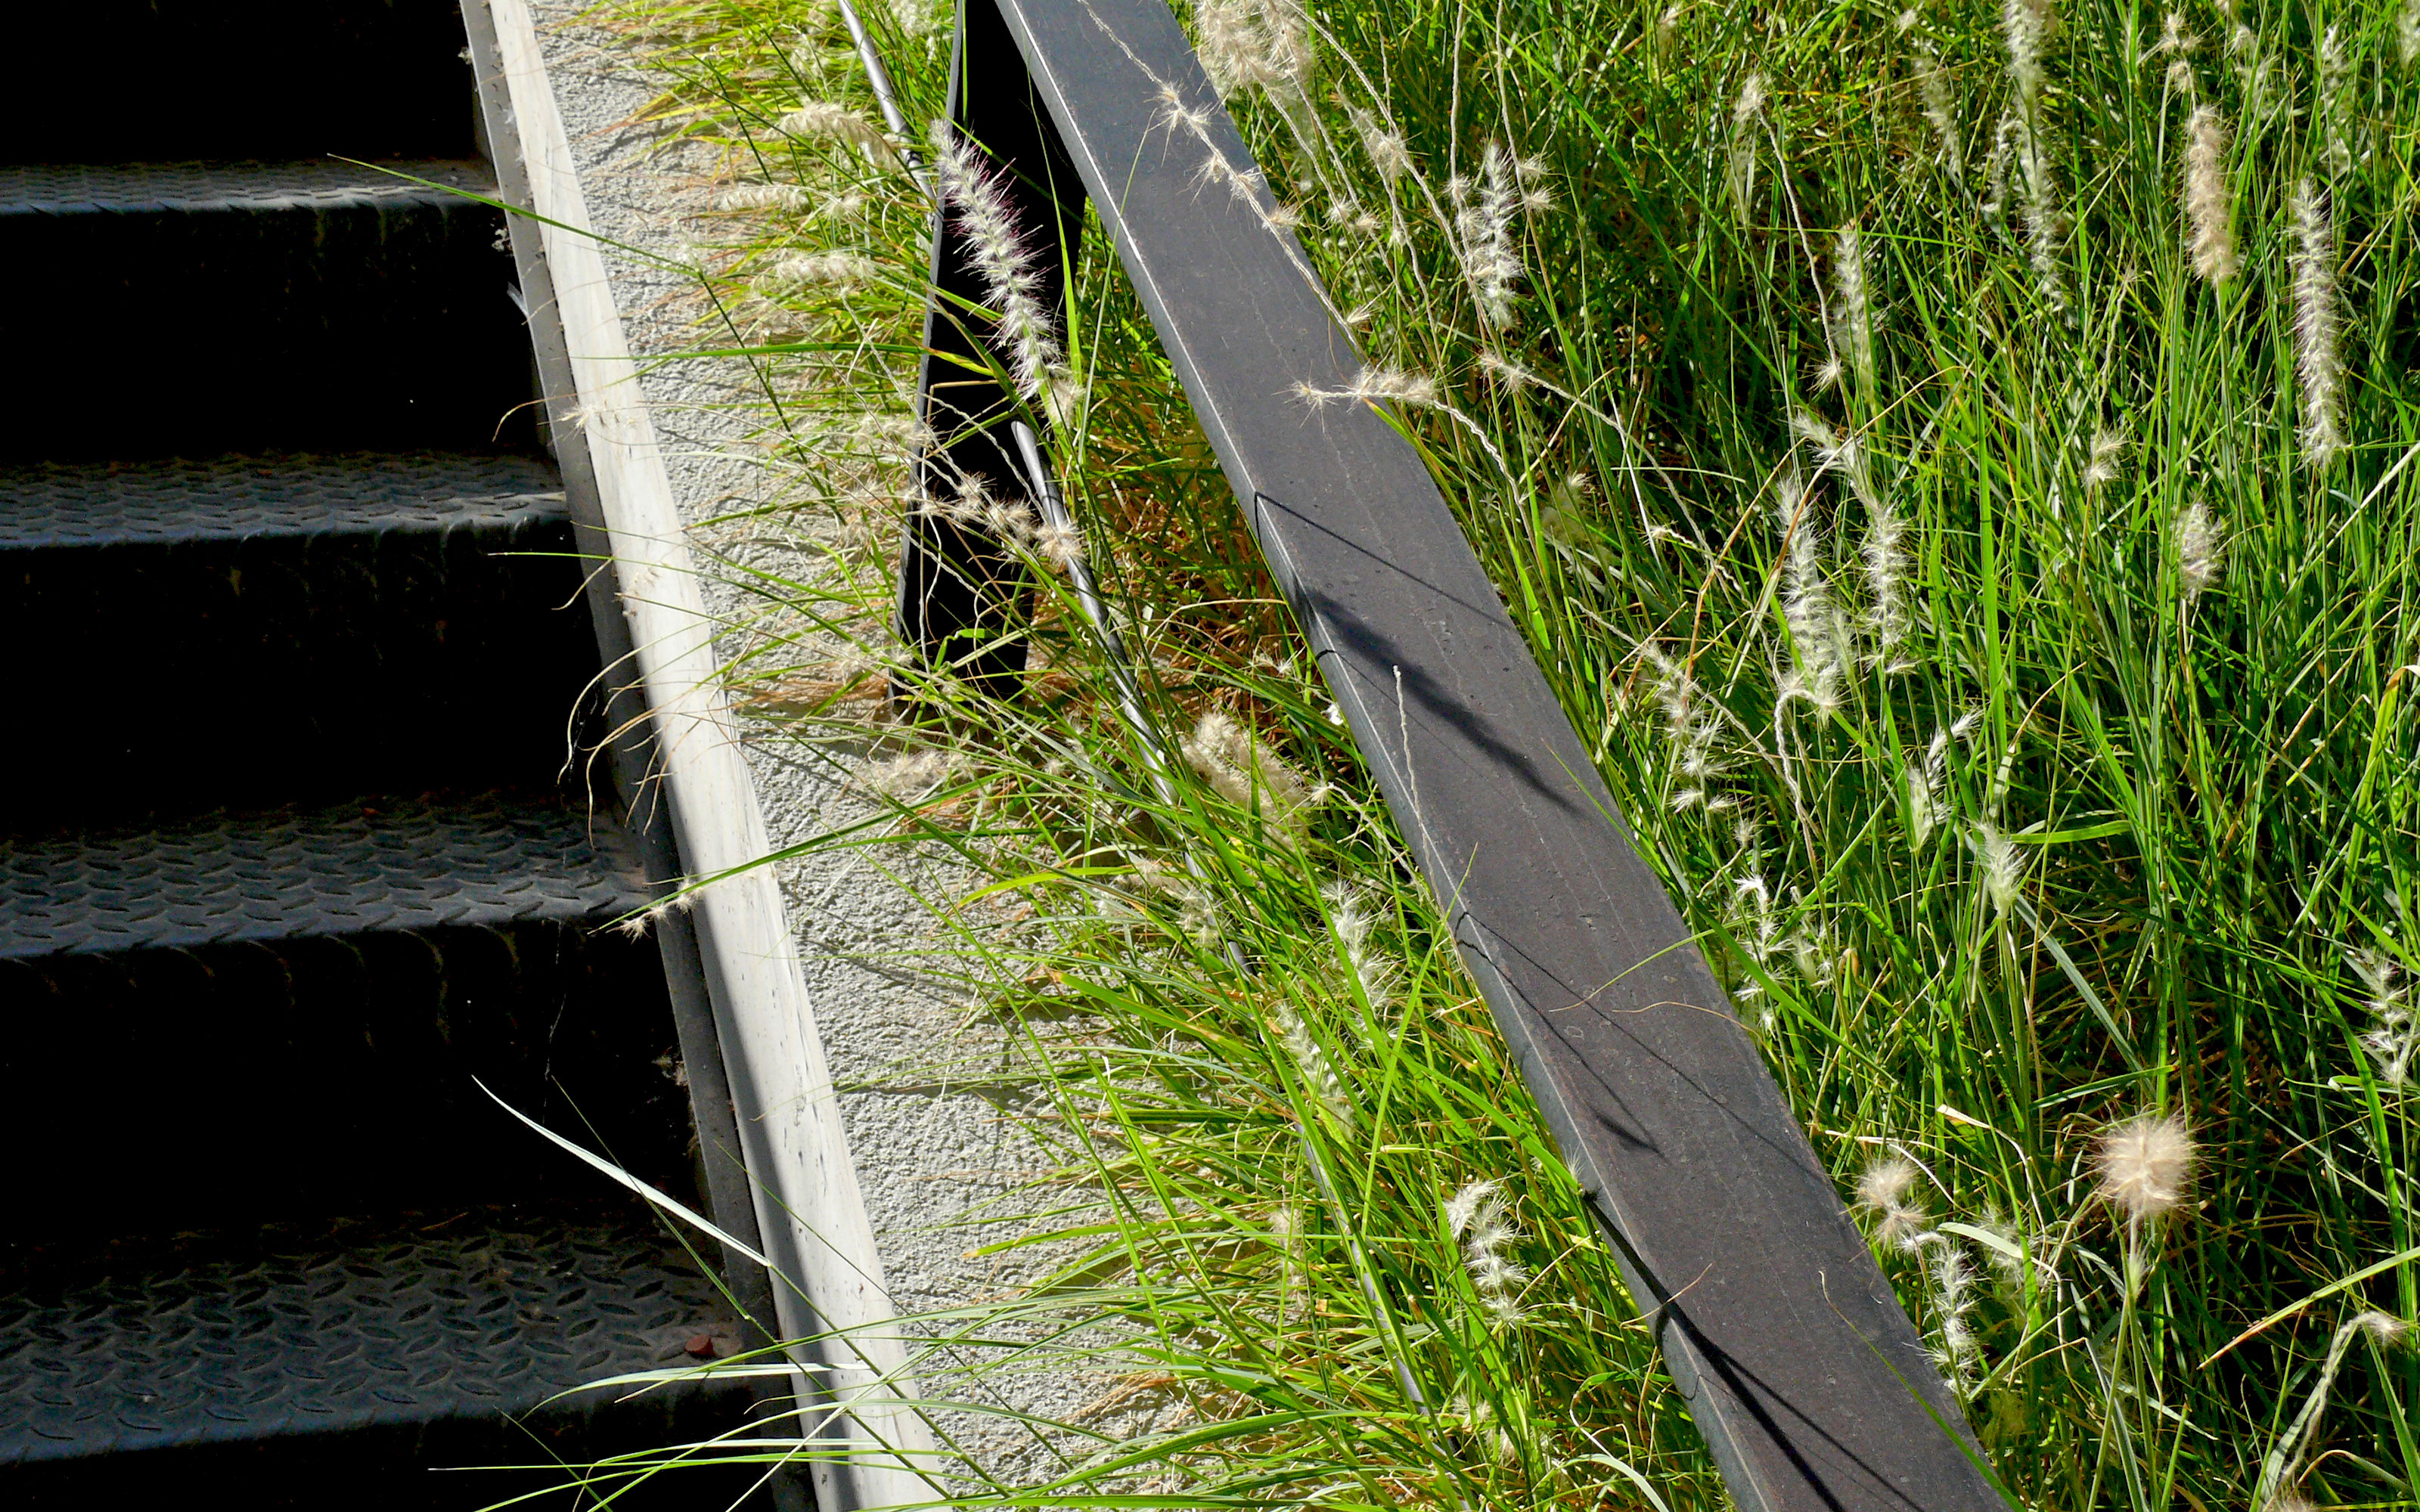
<point>963,598</point>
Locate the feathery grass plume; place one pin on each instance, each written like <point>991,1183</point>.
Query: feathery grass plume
<point>1692,728</point>
<point>2318,358</point>
<point>2208,199</point>
<point>2023,23</point>
<point>1940,110</point>
<point>1479,1216</point>
<point>2393,1034</point>
<point>1264,44</point>
<point>2406,33</point>
<point>1818,630</point>
<point>2385,1329</point>
<point>1483,228</point>
<point>842,272</point>
<point>789,198</point>
<point>1751,103</point>
<point>1667,35</point>
<point>2335,105</point>
<point>1953,1307</point>
<point>2101,462</point>
<point>1060,545</point>
<point>2004,869</point>
<point>1887,1189</point>
<point>825,117</point>
<point>1925,783</point>
<point>1247,773</point>
<point>1012,281</point>
<point>1349,914</point>
<point>910,775</point>
<point>2201,552</point>
<point>1856,309</point>
<point>1887,567</point>
<point>1745,112</point>
<point>1387,151</point>
<point>2146,1163</point>
<point>1377,385</point>
<point>2177,45</point>
<point>1311,1059</point>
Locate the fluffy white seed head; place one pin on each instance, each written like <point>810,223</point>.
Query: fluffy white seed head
<point>1356,925</point>
<point>2406,33</point>
<point>1256,44</point>
<point>2022,25</point>
<point>1012,280</point>
<point>2208,197</point>
<point>1377,385</point>
<point>1932,90</point>
<point>1311,1059</point>
<point>830,119</point>
<point>1953,1306</point>
<point>1062,545</point>
<point>1857,307</point>
<point>2004,867</point>
<point>1751,100</point>
<point>784,197</point>
<point>1887,1189</point>
<point>2146,1165</point>
<point>2387,1329</point>
<point>1484,226</point>
<point>2392,1036</point>
<point>2201,551</point>
<point>2101,464</point>
<point>2335,104</point>
<point>1389,153</point>
<point>840,272</point>
<point>1480,1217</point>
<point>1247,773</point>
<point>2319,360</point>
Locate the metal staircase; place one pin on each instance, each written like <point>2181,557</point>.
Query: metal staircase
<point>291,850</point>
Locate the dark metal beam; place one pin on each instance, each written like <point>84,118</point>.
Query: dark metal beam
<point>963,600</point>
<point>1810,1383</point>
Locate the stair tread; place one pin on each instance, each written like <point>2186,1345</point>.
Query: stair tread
<point>308,1329</point>
<point>72,189</point>
<point>378,866</point>
<point>245,497</point>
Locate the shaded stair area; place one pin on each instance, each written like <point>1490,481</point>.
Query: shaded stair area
<point>296,854</point>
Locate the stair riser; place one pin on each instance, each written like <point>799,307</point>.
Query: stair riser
<point>369,325</point>
<point>283,79</point>
<point>298,669</point>
<point>333,1075</point>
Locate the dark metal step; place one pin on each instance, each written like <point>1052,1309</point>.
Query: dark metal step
<point>306,1004</point>
<point>178,500</point>
<point>202,307</point>
<point>417,1339</point>
<point>380,865</point>
<point>251,630</point>
<point>266,78</point>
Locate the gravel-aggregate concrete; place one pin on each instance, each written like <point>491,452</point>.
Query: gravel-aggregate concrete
<point>942,1163</point>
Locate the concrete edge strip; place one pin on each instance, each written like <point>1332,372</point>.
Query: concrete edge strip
<point>810,1209</point>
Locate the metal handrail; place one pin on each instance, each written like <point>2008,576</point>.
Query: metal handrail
<point>1801,1369</point>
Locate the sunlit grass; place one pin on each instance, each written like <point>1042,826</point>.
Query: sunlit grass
<point>1995,628</point>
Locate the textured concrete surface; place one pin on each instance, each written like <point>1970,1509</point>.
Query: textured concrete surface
<point>940,1166</point>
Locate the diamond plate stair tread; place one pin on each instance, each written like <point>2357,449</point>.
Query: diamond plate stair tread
<point>245,497</point>
<point>399,865</point>
<point>83,189</point>
<point>327,1328</point>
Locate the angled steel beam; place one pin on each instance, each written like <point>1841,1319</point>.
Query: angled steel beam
<point>962,598</point>
<point>1809,1381</point>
